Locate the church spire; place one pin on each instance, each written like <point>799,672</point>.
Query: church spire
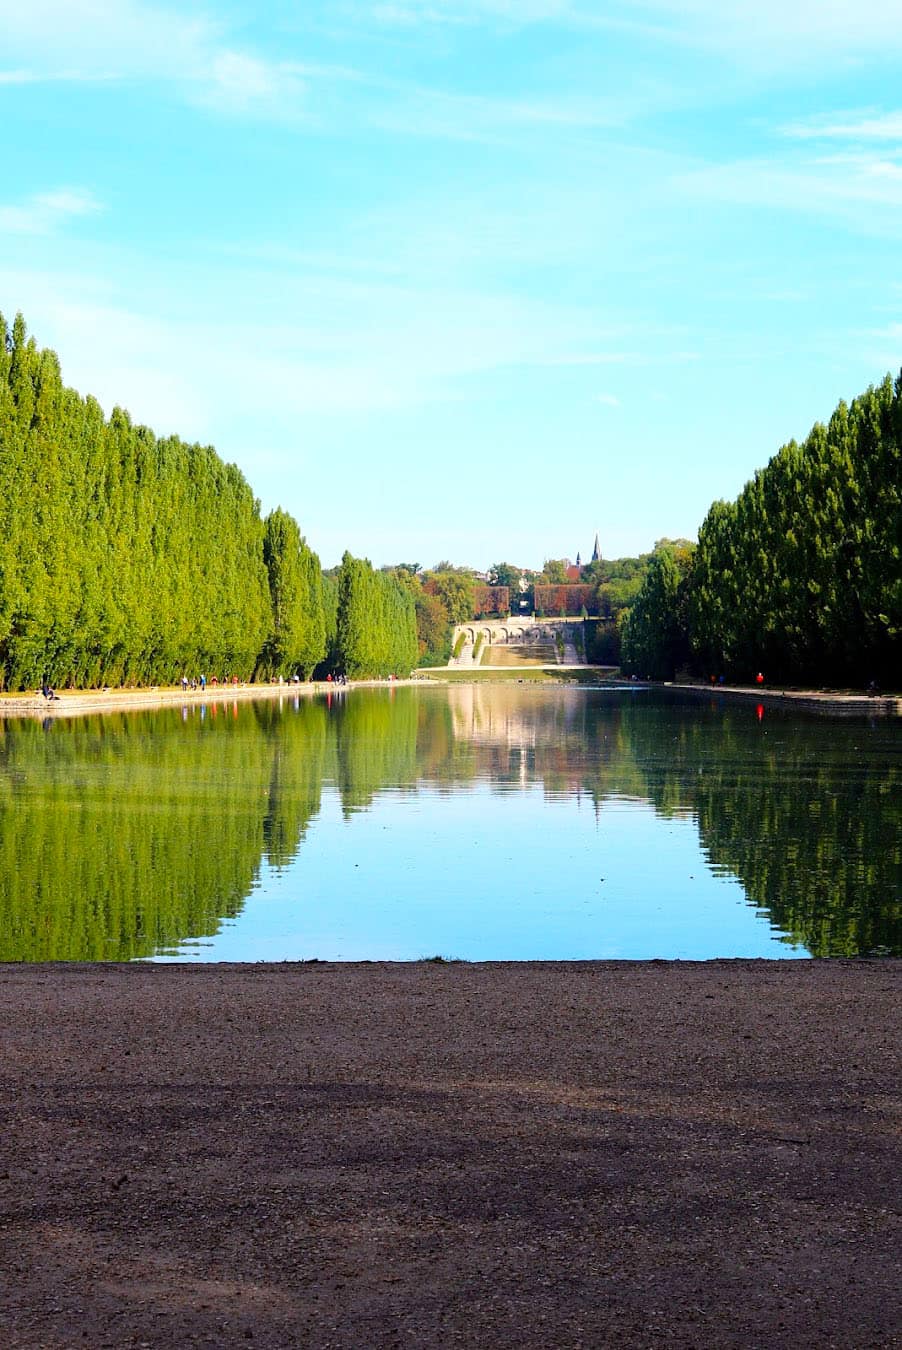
<point>596,552</point>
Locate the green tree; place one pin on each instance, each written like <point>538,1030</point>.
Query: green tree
<point>455,590</point>
<point>655,635</point>
<point>297,641</point>
<point>802,575</point>
<point>505,574</point>
<point>123,558</point>
<point>375,622</point>
<point>433,630</point>
<point>554,572</point>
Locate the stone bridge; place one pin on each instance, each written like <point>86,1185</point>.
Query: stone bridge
<point>516,632</point>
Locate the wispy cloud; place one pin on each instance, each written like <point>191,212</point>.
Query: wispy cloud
<point>409,12</point>
<point>862,189</point>
<point>776,35</point>
<point>92,41</point>
<point>609,400</point>
<point>892,331</point>
<point>419,111</point>
<point>46,211</point>
<point>768,32</point>
<point>864,125</point>
<point>237,83</point>
<point>19,77</point>
<point>848,164</point>
<point>96,38</point>
<point>653,355</point>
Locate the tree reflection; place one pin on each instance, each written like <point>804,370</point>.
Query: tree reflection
<point>127,835</point>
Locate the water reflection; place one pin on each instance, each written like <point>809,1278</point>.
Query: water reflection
<point>572,815</point>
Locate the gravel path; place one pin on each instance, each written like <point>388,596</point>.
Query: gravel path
<point>544,1155</point>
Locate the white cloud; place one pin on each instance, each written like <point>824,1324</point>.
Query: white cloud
<point>519,12</point>
<point>769,31</point>
<point>651,356</point>
<point>862,190</point>
<point>854,126</point>
<point>455,116</point>
<point>43,213</point>
<point>777,35</point>
<point>98,39</point>
<point>238,83</point>
<point>190,47</point>
<point>609,400</point>
<point>244,77</point>
<point>92,40</point>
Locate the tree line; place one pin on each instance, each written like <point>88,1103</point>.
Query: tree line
<point>127,558</point>
<point>131,559</point>
<point>801,576</point>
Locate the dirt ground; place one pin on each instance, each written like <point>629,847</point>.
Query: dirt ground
<point>546,1155</point>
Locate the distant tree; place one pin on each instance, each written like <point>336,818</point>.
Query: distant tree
<point>312,638</point>
<point>297,641</point>
<point>445,566</point>
<point>433,630</point>
<point>655,633</point>
<point>554,572</point>
<point>456,591</point>
<point>375,622</point>
<point>505,574</point>
<point>405,577</point>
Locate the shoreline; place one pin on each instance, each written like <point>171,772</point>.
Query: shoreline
<point>72,703</point>
<point>825,702</point>
<point>76,702</point>
<point>432,1154</point>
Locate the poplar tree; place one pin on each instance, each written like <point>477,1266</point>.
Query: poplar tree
<point>375,622</point>
<point>802,575</point>
<point>123,558</point>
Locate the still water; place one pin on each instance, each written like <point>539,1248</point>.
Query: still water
<point>494,822</point>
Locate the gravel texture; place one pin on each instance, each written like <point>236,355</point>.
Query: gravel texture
<point>547,1155</point>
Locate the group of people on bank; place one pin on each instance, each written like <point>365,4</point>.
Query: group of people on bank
<point>200,681</point>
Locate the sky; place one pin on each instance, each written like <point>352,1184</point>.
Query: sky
<point>463,279</point>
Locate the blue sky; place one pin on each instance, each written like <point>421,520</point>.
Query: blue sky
<point>461,278</point>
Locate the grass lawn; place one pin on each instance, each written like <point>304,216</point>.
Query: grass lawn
<point>534,674</point>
